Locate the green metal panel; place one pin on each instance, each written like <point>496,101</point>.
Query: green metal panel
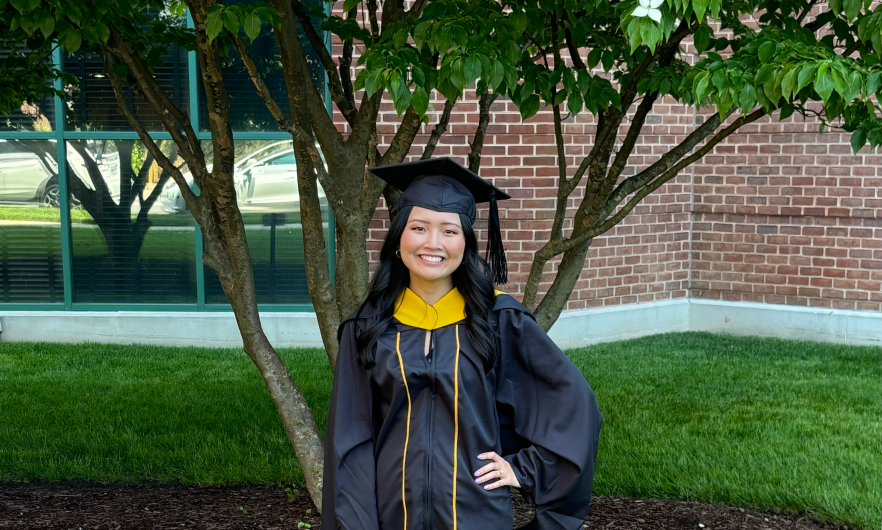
<point>133,307</point>
<point>61,159</point>
<point>15,135</point>
<point>113,135</point>
<point>193,82</point>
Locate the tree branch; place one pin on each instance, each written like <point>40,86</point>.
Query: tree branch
<point>141,178</point>
<point>346,66</point>
<point>655,184</point>
<point>192,201</point>
<point>437,131</point>
<point>403,139</point>
<point>171,116</point>
<point>574,51</point>
<point>335,85</point>
<point>487,99</point>
<point>631,136</point>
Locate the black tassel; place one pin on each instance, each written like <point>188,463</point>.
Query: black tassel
<point>495,251</point>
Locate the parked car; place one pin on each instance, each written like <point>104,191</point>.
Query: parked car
<point>265,181</point>
<point>26,177</point>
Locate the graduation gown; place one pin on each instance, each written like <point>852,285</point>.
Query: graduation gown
<point>403,436</point>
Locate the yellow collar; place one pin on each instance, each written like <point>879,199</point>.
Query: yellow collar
<point>411,310</point>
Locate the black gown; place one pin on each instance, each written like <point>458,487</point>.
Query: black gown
<point>402,437</point>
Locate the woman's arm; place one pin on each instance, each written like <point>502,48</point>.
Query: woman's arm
<point>552,409</point>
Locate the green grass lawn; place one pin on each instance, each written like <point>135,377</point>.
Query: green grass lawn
<point>762,423</point>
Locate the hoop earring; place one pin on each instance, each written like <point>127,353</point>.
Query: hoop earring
<point>398,253</point>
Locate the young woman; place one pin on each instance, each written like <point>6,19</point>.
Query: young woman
<point>447,392</point>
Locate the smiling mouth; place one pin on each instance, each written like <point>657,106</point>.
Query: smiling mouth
<point>432,259</point>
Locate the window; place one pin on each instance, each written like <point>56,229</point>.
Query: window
<point>266,191</point>
<point>30,223</point>
<point>131,240</point>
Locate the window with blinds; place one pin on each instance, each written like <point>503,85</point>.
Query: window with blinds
<point>267,195</point>
<point>30,223</point>
<point>92,105</point>
<point>130,244</point>
<point>247,111</point>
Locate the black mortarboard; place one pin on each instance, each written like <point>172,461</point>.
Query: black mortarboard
<point>442,185</point>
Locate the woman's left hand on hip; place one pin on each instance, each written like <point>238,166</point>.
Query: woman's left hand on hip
<point>499,468</point>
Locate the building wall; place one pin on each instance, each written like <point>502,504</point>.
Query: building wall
<point>776,213</point>
<point>785,215</point>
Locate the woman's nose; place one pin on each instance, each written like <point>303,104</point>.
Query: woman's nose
<point>434,239</point>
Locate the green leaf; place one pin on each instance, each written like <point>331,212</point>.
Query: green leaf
<point>702,38</point>
<point>47,24</point>
<point>103,32</point>
<point>529,107</point>
<point>701,86</point>
<point>472,69</point>
<point>874,81</point>
<point>373,82</point>
<point>348,5</point>
<point>519,21</point>
<point>360,80</point>
<point>512,52</point>
<point>252,26</point>
<point>786,111</point>
<point>214,23</point>
<point>232,21</point>
<point>858,139</point>
<point>852,87</point>
<point>747,97</point>
<point>400,38</point>
<point>766,51</point>
<point>805,76</point>
<point>699,6</point>
<point>71,41</point>
<point>594,57</point>
<point>824,86</point>
<point>420,100</point>
<point>496,74</point>
<point>574,103</point>
<point>457,76</point>
<point>724,102</point>
<point>460,36</point>
<point>787,83</point>
<point>607,60</point>
<point>402,100</point>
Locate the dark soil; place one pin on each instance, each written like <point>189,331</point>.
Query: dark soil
<point>70,506</point>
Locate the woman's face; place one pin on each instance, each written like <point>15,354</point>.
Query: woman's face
<point>432,244</point>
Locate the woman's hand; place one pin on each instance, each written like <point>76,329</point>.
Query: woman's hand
<point>499,468</point>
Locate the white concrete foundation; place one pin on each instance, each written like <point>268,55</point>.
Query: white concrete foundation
<point>573,329</point>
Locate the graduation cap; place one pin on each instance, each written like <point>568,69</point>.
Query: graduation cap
<point>442,185</point>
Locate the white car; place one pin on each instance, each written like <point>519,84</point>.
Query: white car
<point>26,177</point>
<point>265,181</point>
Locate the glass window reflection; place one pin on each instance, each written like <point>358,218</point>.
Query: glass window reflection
<point>127,247</point>
<point>30,223</point>
<point>266,192</point>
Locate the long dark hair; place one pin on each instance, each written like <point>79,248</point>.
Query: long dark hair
<point>472,278</point>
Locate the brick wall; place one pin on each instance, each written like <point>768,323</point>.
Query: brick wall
<point>776,214</point>
<point>785,215</point>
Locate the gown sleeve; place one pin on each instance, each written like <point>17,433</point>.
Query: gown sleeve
<point>550,418</point>
<point>349,499</point>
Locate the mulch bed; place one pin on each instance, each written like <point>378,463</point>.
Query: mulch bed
<point>70,506</point>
